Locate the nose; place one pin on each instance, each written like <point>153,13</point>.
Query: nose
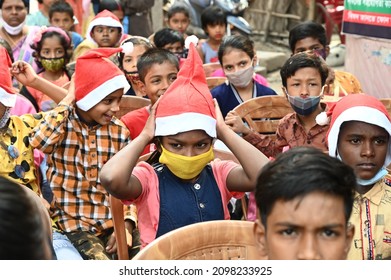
<point>115,106</point>
<point>308,248</point>
<point>304,92</point>
<point>367,149</point>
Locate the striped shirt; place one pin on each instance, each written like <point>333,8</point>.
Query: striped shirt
<point>76,154</point>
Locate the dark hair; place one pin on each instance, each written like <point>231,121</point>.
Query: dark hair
<point>239,42</point>
<point>155,56</point>
<point>299,172</point>
<point>22,235</point>
<point>167,36</point>
<point>213,15</point>
<point>307,29</point>
<point>137,41</point>
<point>110,5</point>
<point>66,44</point>
<point>303,60</point>
<point>25,2</point>
<point>177,9</point>
<point>61,7</point>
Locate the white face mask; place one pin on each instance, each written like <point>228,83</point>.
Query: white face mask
<point>13,30</point>
<point>241,78</point>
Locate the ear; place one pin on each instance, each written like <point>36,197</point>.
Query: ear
<point>260,237</point>
<point>349,238</point>
<point>142,87</point>
<point>285,92</point>
<point>324,89</point>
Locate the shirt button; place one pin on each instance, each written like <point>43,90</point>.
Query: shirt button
<point>308,141</point>
<point>93,155</point>
<point>202,205</point>
<point>197,186</point>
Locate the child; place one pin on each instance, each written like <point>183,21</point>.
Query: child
<point>157,70</point>
<point>78,140</point>
<point>41,17</point>
<point>25,228</point>
<point>52,51</point>
<point>311,36</point>
<point>104,31</point>
<point>178,18</point>
<point>237,58</point>
<point>359,135</point>
<point>303,77</point>
<point>61,15</point>
<point>128,63</point>
<point>214,24</point>
<point>305,199</point>
<point>184,188</point>
<point>169,39</point>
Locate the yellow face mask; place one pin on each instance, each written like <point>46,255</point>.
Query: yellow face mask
<point>185,167</point>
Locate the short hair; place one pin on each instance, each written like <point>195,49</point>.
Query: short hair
<point>167,36</point>
<point>176,9</point>
<point>307,29</point>
<point>155,56</point>
<point>110,5</point>
<point>61,7</point>
<point>22,236</point>
<point>303,60</point>
<point>240,42</point>
<point>299,172</point>
<point>213,15</point>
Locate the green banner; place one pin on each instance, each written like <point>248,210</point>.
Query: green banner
<point>373,6</point>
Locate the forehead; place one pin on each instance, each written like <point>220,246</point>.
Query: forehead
<point>52,41</point>
<point>307,73</point>
<point>161,69</point>
<point>179,16</point>
<point>61,15</point>
<point>192,136</point>
<point>362,128</point>
<point>232,54</point>
<point>12,3</point>
<point>307,43</point>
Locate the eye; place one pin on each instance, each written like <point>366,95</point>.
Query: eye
<point>355,140</point>
<point>155,81</point>
<point>288,232</point>
<point>380,141</point>
<point>172,78</point>
<point>176,146</point>
<point>330,233</point>
<point>228,67</point>
<point>313,84</point>
<point>107,101</point>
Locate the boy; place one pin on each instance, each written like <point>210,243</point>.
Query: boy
<point>79,139</point>
<point>303,77</point>
<point>311,36</point>
<point>157,70</point>
<point>214,24</point>
<point>359,136</point>
<point>41,17</point>
<point>104,31</point>
<point>305,199</point>
<point>61,15</point>
<point>169,39</point>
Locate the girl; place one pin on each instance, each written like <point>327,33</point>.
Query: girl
<point>186,186</point>
<point>214,24</point>
<point>128,63</point>
<point>178,18</point>
<point>237,58</point>
<point>52,51</point>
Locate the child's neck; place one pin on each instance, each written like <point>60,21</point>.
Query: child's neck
<point>52,76</point>
<point>309,121</point>
<point>214,44</point>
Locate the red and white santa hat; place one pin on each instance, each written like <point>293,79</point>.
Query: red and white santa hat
<point>96,76</point>
<point>105,18</point>
<point>357,107</point>
<point>7,92</point>
<point>187,104</point>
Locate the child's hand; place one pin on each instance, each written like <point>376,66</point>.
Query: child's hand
<point>24,73</point>
<point>220,125</point>
<point>149,128</point>
<point>234,121</point>
<point>70,97</point>
<point>111,246</point>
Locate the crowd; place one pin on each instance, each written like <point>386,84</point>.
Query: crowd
<point>320,186</point>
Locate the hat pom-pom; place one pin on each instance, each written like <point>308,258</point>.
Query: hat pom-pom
<point>322,119</point>
<point>127,47</point>
<point>191,39</point>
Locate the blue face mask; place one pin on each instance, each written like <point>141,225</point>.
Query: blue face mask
<point>304,106</point>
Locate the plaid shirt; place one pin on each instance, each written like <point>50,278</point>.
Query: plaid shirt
<point>77,153</point>
<point>290,133</point>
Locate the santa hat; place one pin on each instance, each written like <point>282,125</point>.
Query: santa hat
<point>96,76</point>
<point>187,104</point>
<point>105,18</point>
<point>7,92</point>
<point>357,107</point>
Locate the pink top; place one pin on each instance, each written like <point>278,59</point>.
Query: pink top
<point>22,106</point>
<point>148,204</point>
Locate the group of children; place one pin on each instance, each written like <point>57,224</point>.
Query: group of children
<point>90,153</point>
